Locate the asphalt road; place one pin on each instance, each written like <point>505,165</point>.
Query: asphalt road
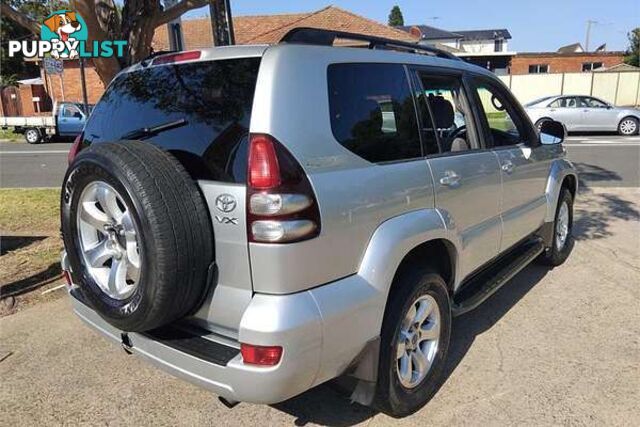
<point>552,347</point>
<point>26,166</point>
<point>603,161</point>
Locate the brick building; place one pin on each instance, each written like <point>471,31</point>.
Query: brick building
<point>197,34</point>
<point>561,62</point>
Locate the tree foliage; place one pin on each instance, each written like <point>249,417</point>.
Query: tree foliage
<point>632,56</point>
<point>135,22</point>
<point>395,16</point>
<point>17,68</point>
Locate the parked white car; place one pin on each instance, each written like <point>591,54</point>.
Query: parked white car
<point>584,113</point>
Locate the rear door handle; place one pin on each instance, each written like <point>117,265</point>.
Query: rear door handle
<point>450,179</point>
<point>508,166</point>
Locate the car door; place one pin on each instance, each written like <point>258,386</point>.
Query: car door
<point>597,115</point>
<point>565,110</point>
<point>466,177</point>
<point>70,121</point>
<point>524,164</point>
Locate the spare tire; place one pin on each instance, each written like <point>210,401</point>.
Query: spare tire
<point>137,233</point>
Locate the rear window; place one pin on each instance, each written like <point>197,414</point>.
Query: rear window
<point>372,111</point>
<point>211,99</point>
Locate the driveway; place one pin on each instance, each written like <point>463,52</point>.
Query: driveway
<point>557,346</point>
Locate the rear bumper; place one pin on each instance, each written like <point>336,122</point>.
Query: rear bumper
<point>321,332</point>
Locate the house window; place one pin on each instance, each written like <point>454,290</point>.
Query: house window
<point>590,66</point>
<point>498,45</point>
<point>538,68</point>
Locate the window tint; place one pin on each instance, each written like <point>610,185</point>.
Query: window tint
<point>372,111</point>
<point>214,98</point>
<point>443,98</point>
<point>500,114</point>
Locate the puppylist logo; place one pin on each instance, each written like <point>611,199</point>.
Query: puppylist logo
<point>63,35</point>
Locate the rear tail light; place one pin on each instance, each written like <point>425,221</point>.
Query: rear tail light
<point>264,170</point>
<point>177,57</point>
<point>281,205</point>
<point>260,355</point>
<point>75,148</point>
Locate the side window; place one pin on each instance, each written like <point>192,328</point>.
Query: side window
<point>592,103</point>
<point>372,111</point>
<point>501,115</point>
<point>443,114</point>
<point>569,102</point>
<point>69,111</point>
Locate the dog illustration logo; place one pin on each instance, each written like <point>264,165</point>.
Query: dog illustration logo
<point>66,27</point>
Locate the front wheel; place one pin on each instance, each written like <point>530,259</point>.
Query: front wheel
<point>414,343</point>
<point>540,122</point>
<point>32,136</point>
<point>628,126</point>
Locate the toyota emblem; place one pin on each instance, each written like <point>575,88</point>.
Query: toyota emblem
<point>226,203</point>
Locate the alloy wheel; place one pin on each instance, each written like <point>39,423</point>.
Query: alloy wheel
<point>418,340</point>
<point>108,239</point>
<point>562,226</point>
<point>628,127</point>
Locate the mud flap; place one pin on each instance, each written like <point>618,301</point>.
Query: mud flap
<point>365,370</point>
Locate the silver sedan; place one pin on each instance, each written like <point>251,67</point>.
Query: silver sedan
<point>584,113</point>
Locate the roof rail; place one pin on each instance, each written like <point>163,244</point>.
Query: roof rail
<point>317,36</point>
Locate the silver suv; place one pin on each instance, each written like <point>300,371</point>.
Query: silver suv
<point>262,219</point>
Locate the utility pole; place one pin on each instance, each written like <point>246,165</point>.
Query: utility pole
<point>221,22</point>
<point>588,39</point>
<point>174,29</point>
<point>83,80</point>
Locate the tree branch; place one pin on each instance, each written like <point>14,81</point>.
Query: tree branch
<point>177,10</point>
<point>20,18</point>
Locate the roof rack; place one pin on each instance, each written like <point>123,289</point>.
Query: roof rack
<point>317,36</point>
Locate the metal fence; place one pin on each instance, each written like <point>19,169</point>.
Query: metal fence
<point>618,88</point>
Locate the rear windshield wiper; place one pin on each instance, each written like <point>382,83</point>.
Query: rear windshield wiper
<point>154,130</point>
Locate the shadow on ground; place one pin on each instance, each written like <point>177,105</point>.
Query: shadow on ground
<point>329,404</point>
<point>28,284</point>
<point>595,211</point>
<point>11,243</point>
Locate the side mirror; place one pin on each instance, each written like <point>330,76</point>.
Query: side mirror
<point>551,132</point>
<point>77,115</point>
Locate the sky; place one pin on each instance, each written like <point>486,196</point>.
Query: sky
<point>536,25</point>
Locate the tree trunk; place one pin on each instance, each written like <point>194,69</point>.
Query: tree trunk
<point>107,68</point>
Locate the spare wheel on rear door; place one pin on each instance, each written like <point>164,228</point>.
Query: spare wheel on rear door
<point>137,233</point>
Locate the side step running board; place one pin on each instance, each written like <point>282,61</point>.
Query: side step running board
<point>488,281</point>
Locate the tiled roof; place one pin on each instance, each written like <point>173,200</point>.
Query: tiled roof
<point>267,29</point>
<point>501,33</point>
<point>431,33</point>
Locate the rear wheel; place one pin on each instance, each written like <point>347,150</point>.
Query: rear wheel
<point>562,243</point>
<point>137,234</point>
<point>32,136</point>
<point>628,126</point>
<point>415,338</point>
